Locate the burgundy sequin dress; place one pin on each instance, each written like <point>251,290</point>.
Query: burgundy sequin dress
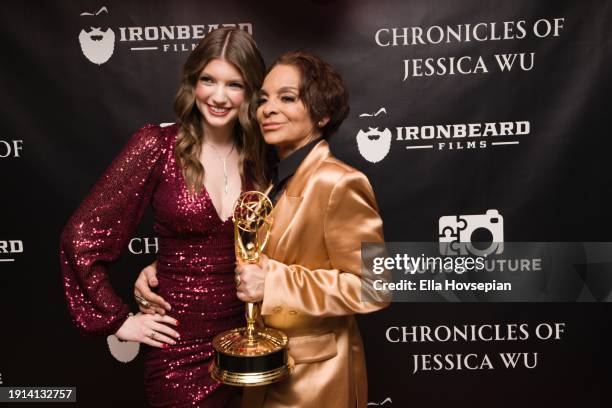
<point>195,266</point>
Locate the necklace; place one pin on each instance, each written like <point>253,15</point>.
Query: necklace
<point>224,161</point>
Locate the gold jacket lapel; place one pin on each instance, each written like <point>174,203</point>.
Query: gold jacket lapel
<point>289,202</point>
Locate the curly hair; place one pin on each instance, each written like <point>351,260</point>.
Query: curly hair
<point>322,89</point>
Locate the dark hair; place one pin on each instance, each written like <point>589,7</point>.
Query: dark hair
<point>322,89</point>
<point>239,49</point>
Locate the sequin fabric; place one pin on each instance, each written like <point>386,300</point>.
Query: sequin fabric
<point>195,266</point>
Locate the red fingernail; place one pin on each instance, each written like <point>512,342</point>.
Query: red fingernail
<point>165,345</point>
<point>178,323</point>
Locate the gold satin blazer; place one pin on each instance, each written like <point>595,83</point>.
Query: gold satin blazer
<point>313,286</point>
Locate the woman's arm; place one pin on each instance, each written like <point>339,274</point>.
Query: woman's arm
<point>100,229</point>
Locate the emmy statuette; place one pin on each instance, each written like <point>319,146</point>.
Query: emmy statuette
<point>251,356</point>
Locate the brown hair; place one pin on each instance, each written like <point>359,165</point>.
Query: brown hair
<point>322,89</point>
<point>239,49</point>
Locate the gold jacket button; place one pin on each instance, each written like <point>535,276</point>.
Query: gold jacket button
<point>292,312</point>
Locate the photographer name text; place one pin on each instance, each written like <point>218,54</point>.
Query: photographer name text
<point>430,285</point>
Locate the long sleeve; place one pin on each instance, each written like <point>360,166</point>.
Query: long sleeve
<point>99,231</point>
<point>351,218</point>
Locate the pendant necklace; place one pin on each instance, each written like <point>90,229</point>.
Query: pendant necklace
<point>224,161</point>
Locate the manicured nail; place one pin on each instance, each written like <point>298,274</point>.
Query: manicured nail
<point>165,345</point>
<point>178,323</point>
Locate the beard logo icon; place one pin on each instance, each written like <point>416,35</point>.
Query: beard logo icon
<point>380,404</point>
<point>124,351</point>
<point>97,44</point>
<point>374,144</point>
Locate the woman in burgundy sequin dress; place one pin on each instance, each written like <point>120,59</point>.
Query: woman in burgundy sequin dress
<point>191,173</point>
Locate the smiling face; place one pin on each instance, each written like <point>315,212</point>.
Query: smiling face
<point>219,92</point>
<point>284,119</point>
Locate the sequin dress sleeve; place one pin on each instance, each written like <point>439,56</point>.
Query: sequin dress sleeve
<point>99,231</point>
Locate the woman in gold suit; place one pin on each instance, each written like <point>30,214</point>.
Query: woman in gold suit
<point>310,279</point>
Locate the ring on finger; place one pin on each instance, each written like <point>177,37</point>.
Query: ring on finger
<point>238,280</point>
<point>143,302</point>
<point>152,335</point>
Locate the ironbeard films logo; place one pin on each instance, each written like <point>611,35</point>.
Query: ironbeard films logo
<point>382,403</point>
<point>375,144</point>
<point>9,248</point>
<point>97,44</point>
<point>98,41</point>
<point>124,351</point>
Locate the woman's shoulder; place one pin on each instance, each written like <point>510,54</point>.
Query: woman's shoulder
<point>334,178</point>
<point>148,145</point>
<point>348,183</point>
<point>156,135</point>
<point>338,169</point>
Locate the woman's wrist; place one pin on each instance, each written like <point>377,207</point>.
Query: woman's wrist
<point>129,316</point>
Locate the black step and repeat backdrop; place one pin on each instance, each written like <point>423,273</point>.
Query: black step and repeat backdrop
<point>471,116</point>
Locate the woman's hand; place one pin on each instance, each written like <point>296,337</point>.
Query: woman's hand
<point>149,302</point>
<point>149,329</point>
<point>250,279</point>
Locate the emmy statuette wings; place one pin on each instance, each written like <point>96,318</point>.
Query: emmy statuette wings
<point>251,356</point>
